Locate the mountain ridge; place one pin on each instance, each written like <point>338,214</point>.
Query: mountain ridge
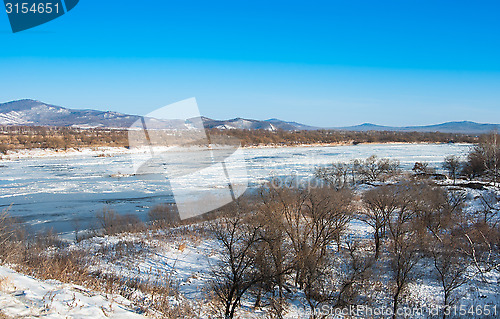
<point>464,127</point>
<point>37,113</point>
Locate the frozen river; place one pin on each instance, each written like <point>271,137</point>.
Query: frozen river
<point>60,192</point>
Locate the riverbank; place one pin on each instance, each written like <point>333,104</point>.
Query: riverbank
<point>113,151</point>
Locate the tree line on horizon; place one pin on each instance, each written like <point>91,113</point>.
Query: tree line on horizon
<point>62,138</point>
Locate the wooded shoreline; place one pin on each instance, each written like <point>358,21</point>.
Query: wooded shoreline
<point>15,138</point>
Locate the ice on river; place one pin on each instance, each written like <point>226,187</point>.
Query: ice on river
<point>64,192</point>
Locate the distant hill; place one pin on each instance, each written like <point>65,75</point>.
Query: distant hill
<point>31,112</point>
<point>464,127</point>
<point>36,113</point>
<point>246,124</point>
<point>290,126</point>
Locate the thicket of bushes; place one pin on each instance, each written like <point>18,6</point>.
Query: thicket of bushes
<point>483,162</point>
<point>369,170</point>
<point>297,239</point>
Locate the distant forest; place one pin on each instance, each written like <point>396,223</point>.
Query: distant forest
<point>30,137</point>
<point>291,138</point>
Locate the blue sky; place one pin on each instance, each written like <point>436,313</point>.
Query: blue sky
<point>324,63</point>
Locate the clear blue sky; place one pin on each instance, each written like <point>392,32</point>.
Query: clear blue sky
<point>325,63</point>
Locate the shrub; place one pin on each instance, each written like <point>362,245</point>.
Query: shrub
<point>110,223</point>
<point>163,215</point>
<point>11,238</point>
<point>452,164</point>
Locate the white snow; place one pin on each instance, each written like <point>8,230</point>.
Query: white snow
<point>13,118</point>
<point>26,297</point>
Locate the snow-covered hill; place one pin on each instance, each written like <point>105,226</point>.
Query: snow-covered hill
<point>22,296</point>
<point>31,112</point>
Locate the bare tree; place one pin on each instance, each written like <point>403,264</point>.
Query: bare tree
<point>490,146</point>
<point>329,214</point>
<point>277,260</point>
<point>369,170</point>
<point>403,247</point>
<point>352,273</point>
<point>484,159</point>
<point>452,164</point>
<point>423,168</point>
<point>435,209</point>
<point>451,268</point>
<point>379,203</point>
<point>310,221</point>
<point>481,246</point>
<point>475,165</point>
<point>374,169</point>
<point>437,226</point>
<point>290,203</point>
<point>337,279</point>
<point>336,175</point>
<point>316,280</point>
<point>490,208</point>
<point>235,273</point>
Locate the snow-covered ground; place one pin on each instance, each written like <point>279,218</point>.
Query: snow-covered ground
<point>182,257</point>
<point>24,297</point>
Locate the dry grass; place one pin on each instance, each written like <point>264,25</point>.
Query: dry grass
<point>45,257</point>
<point>3,283</point>
<point>73,267</point>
